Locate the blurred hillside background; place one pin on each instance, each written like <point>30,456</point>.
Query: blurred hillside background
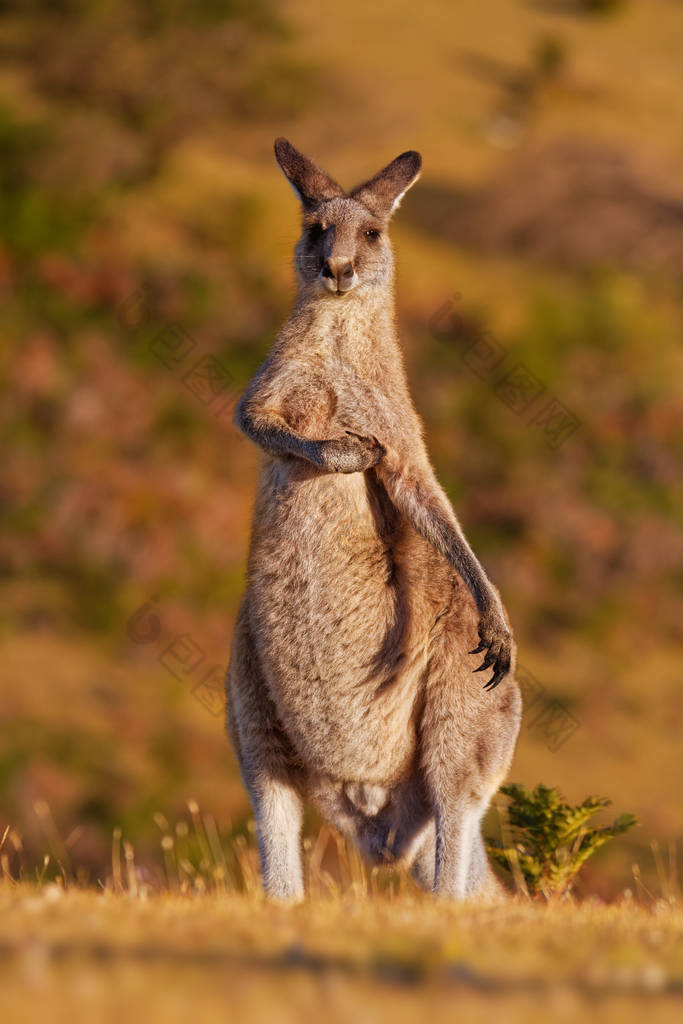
<point>145,267</point>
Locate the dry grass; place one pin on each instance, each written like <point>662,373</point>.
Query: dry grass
<point>71,954</point>
<point>198,938</point>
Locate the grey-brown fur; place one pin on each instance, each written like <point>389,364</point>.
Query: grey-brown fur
<point>350,682</point>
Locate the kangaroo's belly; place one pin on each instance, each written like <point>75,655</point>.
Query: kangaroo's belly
<point>330,605</point>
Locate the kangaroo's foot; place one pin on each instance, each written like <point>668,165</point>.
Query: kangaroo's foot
<point>482,884</point>
<point>455,830</point>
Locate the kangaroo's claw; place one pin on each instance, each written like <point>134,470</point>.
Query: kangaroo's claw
<point>495,639</point>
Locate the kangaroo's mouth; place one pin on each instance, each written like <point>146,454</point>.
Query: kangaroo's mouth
<point>338,288</point>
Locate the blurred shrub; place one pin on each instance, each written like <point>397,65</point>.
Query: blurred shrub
<point>160,67</point>
<point>549,57</point>
<point>601,6</point>
<point>596,7</point>
<point>153,13</point>
<point>33,216</point>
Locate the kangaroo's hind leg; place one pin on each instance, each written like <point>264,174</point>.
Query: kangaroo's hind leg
<point>467,740</point>
<point>480,881</point>
<point>424,862</point>
<point>268,769</point>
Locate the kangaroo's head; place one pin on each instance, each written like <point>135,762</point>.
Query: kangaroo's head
<point>344,244</point>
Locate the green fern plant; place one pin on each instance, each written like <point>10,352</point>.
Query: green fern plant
<point>550,839</point>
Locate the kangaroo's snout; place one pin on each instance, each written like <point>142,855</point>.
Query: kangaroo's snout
<point>338,274</point>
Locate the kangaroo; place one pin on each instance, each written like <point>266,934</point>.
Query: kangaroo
<point>351,680</point>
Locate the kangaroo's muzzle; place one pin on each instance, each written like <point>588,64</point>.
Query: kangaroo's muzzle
<point>338,275</point>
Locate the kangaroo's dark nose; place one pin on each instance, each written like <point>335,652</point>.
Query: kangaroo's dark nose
<point>340,271</point>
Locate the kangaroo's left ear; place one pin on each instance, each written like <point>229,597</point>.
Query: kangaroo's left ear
<point>311,184</point>
<point>383,193</point>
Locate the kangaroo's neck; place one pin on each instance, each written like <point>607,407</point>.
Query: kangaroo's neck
<point>357,328</point>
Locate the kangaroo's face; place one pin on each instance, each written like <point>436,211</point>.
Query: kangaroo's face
<point>344,243</point>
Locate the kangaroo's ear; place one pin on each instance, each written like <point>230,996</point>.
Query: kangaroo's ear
<point>383,193</point>
<point>311,184</point>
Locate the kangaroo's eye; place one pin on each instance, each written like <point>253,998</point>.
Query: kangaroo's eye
<point>372,234</point>
<point>315,231</point>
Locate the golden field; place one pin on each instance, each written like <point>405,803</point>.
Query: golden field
<point>75,955</point>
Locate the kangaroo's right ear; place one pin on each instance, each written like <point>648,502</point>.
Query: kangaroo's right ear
<point>383,193</point>
<point>311,184</point>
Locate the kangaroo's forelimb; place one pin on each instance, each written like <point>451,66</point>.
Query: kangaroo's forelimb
<point>352,453</point>
<point>416,493</point>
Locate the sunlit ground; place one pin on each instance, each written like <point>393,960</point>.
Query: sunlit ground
<point>227,956</point>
